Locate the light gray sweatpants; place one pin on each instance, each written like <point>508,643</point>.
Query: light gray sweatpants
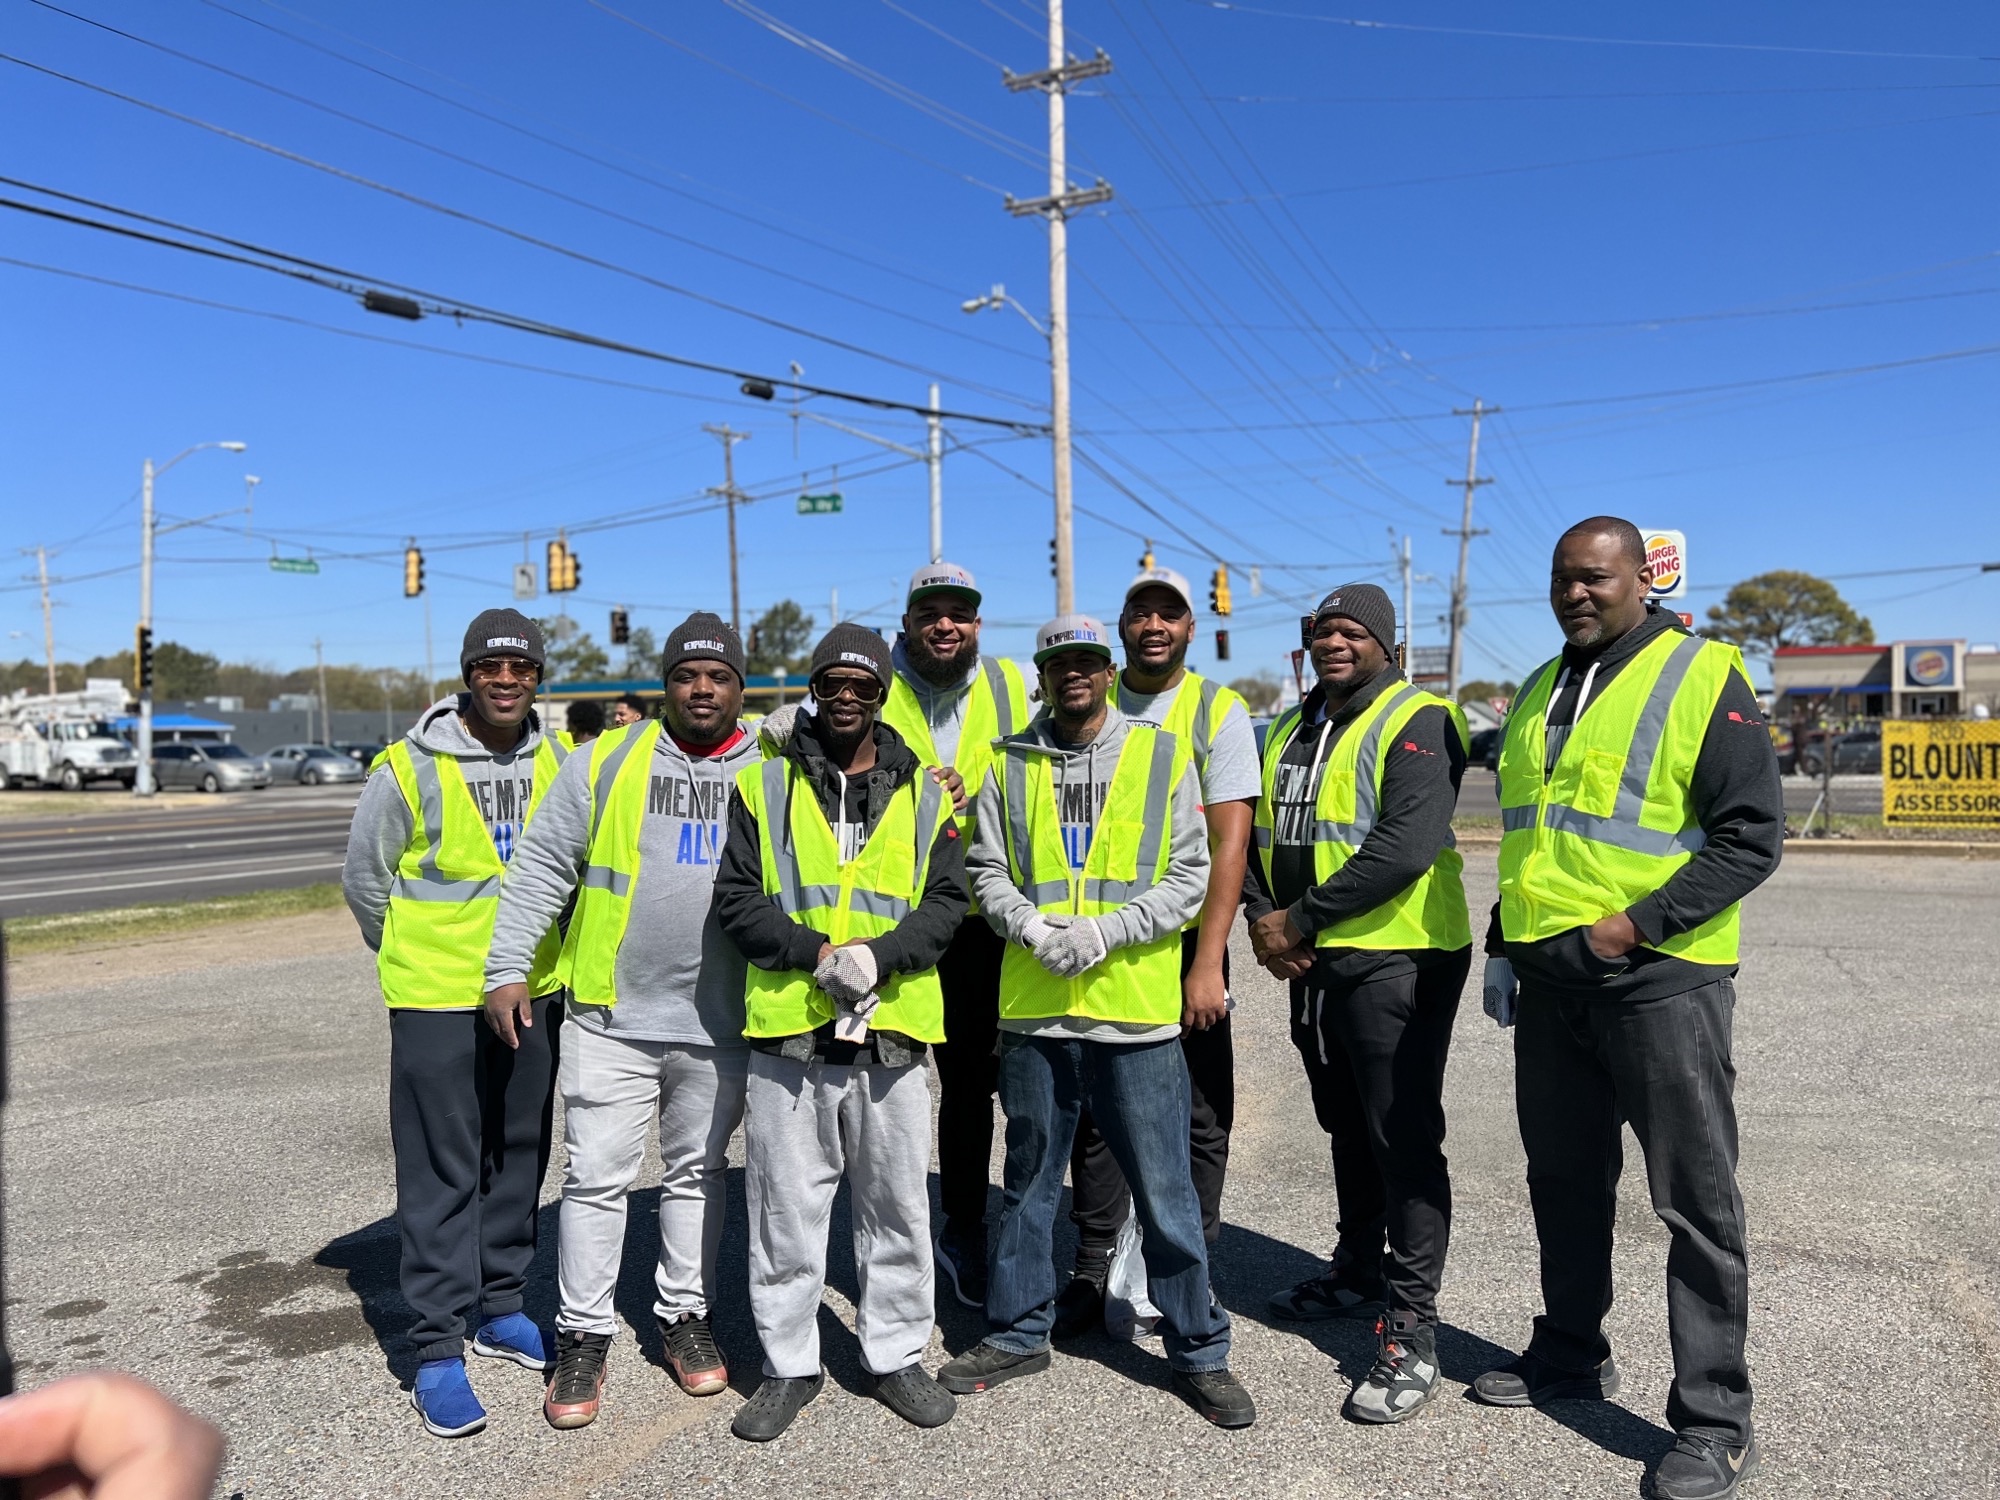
<point>612,1091</point>
<point>806,1124</point>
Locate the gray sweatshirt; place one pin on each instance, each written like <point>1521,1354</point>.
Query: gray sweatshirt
<point>679,979</point>
<point>383,825</point>
<point>1082,780</point>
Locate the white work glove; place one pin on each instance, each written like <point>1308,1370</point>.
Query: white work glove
<point>776,728</point>
<point>1503,992</point>
<point>849,976</point>
<point>1039,931</point>
<point>1075,948</point>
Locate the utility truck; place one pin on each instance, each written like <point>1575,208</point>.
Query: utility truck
<point>63,739</point>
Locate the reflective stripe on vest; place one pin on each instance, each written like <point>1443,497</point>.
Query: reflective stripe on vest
<point>597,926</point>
<point>1613,818</point>
<point>1139,983</point>
<point>1428,913</point>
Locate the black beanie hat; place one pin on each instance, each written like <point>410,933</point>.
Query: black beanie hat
<point>501,632</point>
<point>853,646</point>
<point>1367,606</point>
<point>704,637</point>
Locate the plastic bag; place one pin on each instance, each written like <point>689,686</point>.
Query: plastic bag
<point>1128,1312</point>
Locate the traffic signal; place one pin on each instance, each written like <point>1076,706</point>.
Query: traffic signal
<point>621,627</point>
<point>142,659</point>
<point>1218,590</point>
<point>562,567</point>
<point>1222,645</point>
<point>1146,558</point>
<point>1052,558</point>
<point>413,572</point>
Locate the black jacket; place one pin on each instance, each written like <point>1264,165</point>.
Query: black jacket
<point>770,939</point>
<point>1413,821</point>
<point>1739,803</point>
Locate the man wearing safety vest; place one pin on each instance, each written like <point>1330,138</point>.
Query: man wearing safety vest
<point>842,882</point>
<point>1639,804</point>
<point>1090,854</point>
<point>1357,901</point>
<point>469,1118</point>
<point>632,832</point>
<point>1211,726</point>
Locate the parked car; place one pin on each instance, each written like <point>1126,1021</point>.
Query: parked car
<point>361,752</point>
<point>209,766</point>
<point>313,764</point>
<point>1485,750</point>
<point>1858,751</point>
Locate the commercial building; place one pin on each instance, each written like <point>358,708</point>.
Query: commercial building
<point>1924,679</point>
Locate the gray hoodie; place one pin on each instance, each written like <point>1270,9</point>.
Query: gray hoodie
<point>943,707</point>
<point>383,825</point>
<point>1082,780</point>
<point>679,979</point>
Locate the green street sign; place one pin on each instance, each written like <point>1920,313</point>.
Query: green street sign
<point>294,565</point>
<point>819,505</point>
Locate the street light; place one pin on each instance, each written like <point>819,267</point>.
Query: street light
<point>1056,332</point>
<point>142,778</point>
<point>997,299</point>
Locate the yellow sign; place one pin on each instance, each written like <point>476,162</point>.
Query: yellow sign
<point>1941,773</point>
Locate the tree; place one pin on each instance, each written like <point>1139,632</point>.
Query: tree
<point>642,653</point>
<point>180,674</point>
<point>1786,608</point>
<point>779,639</point>
<point>1481,690</point>
<point>1261,692</point>
<point>572,655</point>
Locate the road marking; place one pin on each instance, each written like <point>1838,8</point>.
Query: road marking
<point>140,885</point>
<point>336,838</point>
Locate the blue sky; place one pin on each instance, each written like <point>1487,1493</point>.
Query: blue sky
<point>1324,238</point>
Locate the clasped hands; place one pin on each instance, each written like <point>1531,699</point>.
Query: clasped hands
<point>1065,945</point>
<point>1279,946</point>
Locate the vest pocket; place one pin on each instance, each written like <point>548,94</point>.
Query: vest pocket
<point>1597,785</point>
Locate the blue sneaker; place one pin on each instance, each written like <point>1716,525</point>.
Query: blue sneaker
<point>513,1337</point>
<point>443,1398</point>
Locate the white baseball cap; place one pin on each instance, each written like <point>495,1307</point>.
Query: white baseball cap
<point>1162,578</point>
<point>942,578</point>
<point>1071,633</point>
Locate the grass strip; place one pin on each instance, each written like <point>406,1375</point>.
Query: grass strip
<point>124,924</point>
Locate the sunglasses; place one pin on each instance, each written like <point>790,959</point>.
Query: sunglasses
<point>867,691</point>
<point>517,667</point>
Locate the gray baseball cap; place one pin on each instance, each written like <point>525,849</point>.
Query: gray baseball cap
<point>1072,633</point>
<point>942,578</point>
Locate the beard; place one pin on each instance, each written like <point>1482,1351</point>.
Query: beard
<point>939,672</point>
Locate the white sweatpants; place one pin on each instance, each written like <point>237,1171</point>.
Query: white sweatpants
<point>612,1090</point>
<point>806,1124</point>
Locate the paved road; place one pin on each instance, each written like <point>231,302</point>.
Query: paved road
<point>199,1189</point>
<point>125,856</point>
<point>1857,796</point>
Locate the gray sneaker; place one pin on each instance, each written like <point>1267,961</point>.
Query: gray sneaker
<point>1405,1373</point>
<point>1338,1292</point>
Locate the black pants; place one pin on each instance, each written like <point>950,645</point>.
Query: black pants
<point>968,1072</point>
<point>1374,1046</point>
<point>1580,1068</point>
<point>1099,1199</point>
<point>470,1122</point>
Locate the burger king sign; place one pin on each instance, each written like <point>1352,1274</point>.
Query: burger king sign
<point>1666,555</point>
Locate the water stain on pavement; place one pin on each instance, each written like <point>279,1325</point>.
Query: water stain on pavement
<point>82,1308</point>
<point>251,1296</point>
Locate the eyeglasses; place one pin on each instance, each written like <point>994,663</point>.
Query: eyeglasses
<point>867,691</point>
<point>517,667</point>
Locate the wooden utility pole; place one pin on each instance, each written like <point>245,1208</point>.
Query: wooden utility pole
<point>1465,533</point>
<point>48,616</point>
<point>732,497</point>
<point>325,724</point>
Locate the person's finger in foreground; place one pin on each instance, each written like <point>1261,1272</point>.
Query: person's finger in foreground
<point>108,1437</point>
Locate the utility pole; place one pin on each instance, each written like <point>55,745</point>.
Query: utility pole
<point>935,451</point>
<point>1465,533</point>
<point>1062,201</point>
<point>325,725</point>
<point>143,783</point>
<point>732,497</point>
<point>48,618</point>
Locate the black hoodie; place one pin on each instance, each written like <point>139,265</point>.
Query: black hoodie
<point>758,925</point>
<point>1739,804</point>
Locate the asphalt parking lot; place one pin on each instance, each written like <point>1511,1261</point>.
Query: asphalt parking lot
<point>198,1189</point>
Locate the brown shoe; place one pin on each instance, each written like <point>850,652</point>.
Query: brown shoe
<point>693,1356</point>
<point>577,1387</point>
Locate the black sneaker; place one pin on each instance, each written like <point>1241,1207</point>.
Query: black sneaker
<point>915,1397</point>
<point>577,1386</point>
<point>1532,1381</point>
<point>982,1367</point>
<point>962,1259</point>
<point>1217,1395</point>
<point>1080,1305</point>
<point>1341,1291</point>
<point>768,1413</point>
<point>1405,1374</point>
<point>1699,1469</point>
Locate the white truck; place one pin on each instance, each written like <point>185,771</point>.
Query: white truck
<point>62,739</point>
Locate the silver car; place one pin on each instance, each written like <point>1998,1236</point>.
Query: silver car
<point>313,764</point>
<point>209,766</point>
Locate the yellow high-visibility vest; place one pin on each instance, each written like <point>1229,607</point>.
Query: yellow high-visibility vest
<point>446,890</point>
<point>1199,706</point>
<point>620,761</point>
<point>1427,913</point>
<point>862,898</point>
<point>1614,818</point>
<point>1128,854</point>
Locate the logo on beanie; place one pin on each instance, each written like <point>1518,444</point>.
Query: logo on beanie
<point>687,646</point>
<point>859,660</point>
<point>1333,602</point>
<point>517,642</point>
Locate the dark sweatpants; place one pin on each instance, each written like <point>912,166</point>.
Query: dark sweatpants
<point>470,1122</point>
<point>1580,1068</point>
<point>1099,1199</point>
<point>968,1072</point>
<point>1374,1046</point>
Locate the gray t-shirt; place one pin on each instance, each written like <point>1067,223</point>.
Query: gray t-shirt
<point>1230,772</point>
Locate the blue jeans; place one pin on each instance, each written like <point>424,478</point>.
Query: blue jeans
<point>1138,1095</point>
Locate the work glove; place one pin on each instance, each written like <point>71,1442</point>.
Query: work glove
<point>1039,931</point>
<point>849,976</point>
<point>1075,948</point>
<point>1503,992</point>
<point>776,729</point>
